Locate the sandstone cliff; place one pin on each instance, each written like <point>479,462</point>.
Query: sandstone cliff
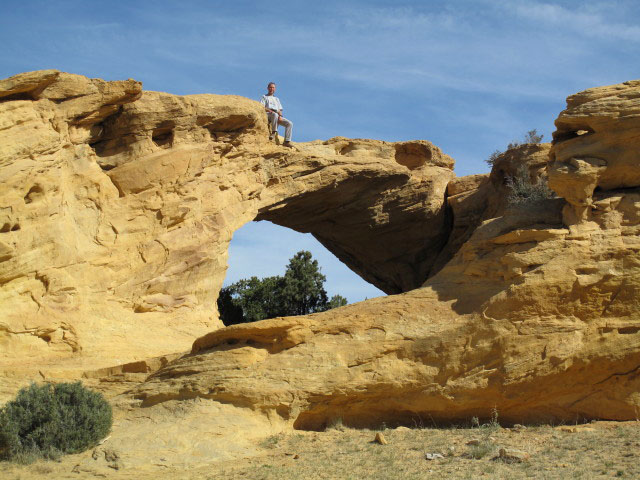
<point>119,205</point>
<point>536,314</point>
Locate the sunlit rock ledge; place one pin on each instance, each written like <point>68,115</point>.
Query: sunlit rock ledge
<point>118,206</point>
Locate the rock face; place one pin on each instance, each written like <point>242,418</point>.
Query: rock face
<point>119,205</point>
<point>536,315</point>
<point>475,198</point>
<point>596,144</point>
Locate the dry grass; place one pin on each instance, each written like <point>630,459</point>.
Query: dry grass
<point>602,449</point>
<point>596,450</point>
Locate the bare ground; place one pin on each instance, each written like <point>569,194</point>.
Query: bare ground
<point>595,450</point>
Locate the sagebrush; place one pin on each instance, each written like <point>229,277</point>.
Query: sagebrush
<point>530,137</point>
<point>524,191</point>
<point>46,421</point>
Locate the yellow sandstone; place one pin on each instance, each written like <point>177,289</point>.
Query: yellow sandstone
<point>117,207</point>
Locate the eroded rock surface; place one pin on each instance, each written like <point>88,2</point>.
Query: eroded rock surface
<point>118,207</point>
<point>596,144</point>
<point>475,198</point>
<point>536,315</point>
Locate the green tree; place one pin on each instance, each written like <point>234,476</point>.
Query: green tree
<point>337,301</point>
<point>299,292</point>
<point>228,306</point>
<point>303,287</point>
<point>249,300</point>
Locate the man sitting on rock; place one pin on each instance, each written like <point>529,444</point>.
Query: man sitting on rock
<point>273,107</point>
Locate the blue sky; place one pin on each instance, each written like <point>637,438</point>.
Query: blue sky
<point>468,75</point>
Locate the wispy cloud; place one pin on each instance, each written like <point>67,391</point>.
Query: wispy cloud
<point>469,75</point>
<point>509,48</point>
<point>587,20</point>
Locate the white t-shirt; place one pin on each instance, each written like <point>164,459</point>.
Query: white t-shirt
<point>271,102</point>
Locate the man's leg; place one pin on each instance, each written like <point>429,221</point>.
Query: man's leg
<point>288,128</point>
<point>273,123</point>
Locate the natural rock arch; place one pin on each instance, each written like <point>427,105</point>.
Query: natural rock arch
<point>118,208</point>
<point>131,200</point>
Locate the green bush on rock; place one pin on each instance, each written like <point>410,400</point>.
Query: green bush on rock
<point>50,420</point>
<point>525,191</point>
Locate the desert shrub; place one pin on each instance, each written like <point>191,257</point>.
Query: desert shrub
<point>530,137</point>
<point>50,420</point>
<point>493,157</point>
<point>482,449</point>
<point>524,191</point>
<point>485,445</point>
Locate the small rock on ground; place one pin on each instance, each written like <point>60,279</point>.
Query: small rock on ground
<point>510,455</point>
<point>432,456</point>
<point>380,439</point>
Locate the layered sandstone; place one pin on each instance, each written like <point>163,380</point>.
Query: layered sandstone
<point>596,146</point>
<point>119,205</point>
<point>536,314</point>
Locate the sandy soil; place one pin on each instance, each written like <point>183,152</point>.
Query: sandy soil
<point>595,450</point>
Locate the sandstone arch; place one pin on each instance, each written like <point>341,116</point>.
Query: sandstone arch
<point>120,206</point>
<point>109,195</point>
<point>534,314</point>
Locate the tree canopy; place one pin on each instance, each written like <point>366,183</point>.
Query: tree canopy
<point>299,292</point>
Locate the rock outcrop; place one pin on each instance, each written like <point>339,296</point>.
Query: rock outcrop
<point>119,205</point>
<point>596,145</point>
<point>536,316</point>
<point>475,198</point>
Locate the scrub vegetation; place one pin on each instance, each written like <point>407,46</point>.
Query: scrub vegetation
<point>530,137</point>
<point>47,421</point>
<point>524,190</point>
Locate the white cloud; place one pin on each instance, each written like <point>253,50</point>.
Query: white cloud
<point>586,19</point>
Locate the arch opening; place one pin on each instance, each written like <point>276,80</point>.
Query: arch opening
<point>263,249</point>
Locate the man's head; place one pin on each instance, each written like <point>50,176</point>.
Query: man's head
<point>271,88</point>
